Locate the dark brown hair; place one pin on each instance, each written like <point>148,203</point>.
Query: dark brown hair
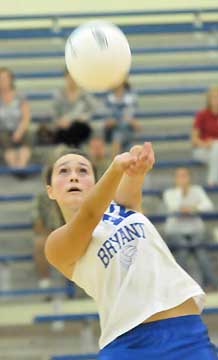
<point>49,169</point>
<point>10,74</point>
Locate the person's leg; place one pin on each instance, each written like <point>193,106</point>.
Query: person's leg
<point>10,157</point>
<point>174,241</point>
<point>213,164</point>
<point>109,128</point>
<point>42,266</point>
<point>127,136</point>
<point>9,153</point>
<point>23,156</point>
<point>201,154</point>
<point>115,148</point>
<point>203,262</point>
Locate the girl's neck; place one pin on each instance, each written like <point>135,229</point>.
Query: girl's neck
<point>69,213</point>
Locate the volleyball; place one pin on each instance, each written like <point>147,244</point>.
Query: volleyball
<point>98,56</point>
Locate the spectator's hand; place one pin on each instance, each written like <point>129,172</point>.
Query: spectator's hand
<point>187,209</point>
<point>110,123</point>
<point>136,125</point>
<point>63,123</point>
<point>82,118</point>
<point>145,159</point>
<point>133,122</point>
<point>207,143</point>
<point>17,136</point>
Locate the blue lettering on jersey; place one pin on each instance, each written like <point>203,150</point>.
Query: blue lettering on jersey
<point>122,214</point>
<point>115,243</point>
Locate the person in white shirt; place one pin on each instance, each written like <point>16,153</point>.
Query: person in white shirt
<point>184,226</point>
<point>149,307</point>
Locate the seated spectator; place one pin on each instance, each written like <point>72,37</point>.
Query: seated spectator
<point>98,154</point>
<point>46,218</point>
<point>119,126</point>
<point>185,227</point>
<point>73,109</point>
<point>14,122</point>
<point>205,136</point>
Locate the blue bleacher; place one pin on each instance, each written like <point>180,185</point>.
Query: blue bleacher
<point>37,168</point>
<point>139,115</point>
<point>49,95</point>
<point>135,51</point>
<point>34,291</point>
<point>146,192</point>
<point>154,218</point>
<point>93,316</point>
<point>87,356</point>
<point>134,71</point>
<point>97,14</point>
<point>130,29</point>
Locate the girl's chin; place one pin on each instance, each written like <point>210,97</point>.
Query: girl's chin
<point>74,201</point>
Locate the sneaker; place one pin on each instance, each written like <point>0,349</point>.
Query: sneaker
<point>44,283</point>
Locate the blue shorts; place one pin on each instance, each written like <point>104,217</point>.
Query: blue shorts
<point>180,338</point>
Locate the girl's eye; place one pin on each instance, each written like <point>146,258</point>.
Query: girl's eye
<point>62,170</point>
<point>83,170</point>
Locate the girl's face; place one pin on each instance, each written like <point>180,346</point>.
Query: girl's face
<point>182,178</point>
<point>72,178</point>
<point>5,81</point>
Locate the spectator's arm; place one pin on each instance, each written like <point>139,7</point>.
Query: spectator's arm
<point>204,204</point>
<point>196,140</point>
<point>92,103</point>
<point>24,122</point>
<point>131,107</point>
<point>57,107</point>
<point>171,201</point>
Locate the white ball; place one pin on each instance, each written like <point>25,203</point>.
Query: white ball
<point>98,56</point>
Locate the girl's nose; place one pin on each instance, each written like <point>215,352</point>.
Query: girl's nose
<point>74,177</point>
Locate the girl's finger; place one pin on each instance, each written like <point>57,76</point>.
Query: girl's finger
<point>145,151</point>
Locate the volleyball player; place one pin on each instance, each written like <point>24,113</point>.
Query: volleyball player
<point>149,307</point>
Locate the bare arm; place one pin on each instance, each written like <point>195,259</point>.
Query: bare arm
<point>129,192</point>
<point>67,244</point>
<point>24,123</point>
<point>196,140</point>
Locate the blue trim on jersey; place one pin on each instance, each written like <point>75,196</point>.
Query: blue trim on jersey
<point>180,338</point>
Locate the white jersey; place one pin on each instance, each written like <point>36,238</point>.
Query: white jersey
<point>130,273</point>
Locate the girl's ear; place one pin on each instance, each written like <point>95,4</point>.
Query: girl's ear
<point>50,193</point>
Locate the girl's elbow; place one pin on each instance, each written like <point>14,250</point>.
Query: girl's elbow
<point>48,251</point>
